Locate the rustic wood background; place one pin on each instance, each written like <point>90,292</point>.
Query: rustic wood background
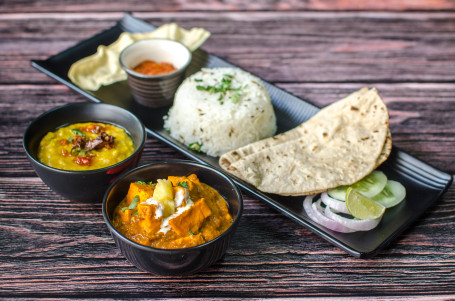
<point>320,50</point>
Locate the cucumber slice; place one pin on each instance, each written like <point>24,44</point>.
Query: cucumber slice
<point>338,193</point>
<point>372,184</point>
<point>369,186</point>
<point>392,194</point>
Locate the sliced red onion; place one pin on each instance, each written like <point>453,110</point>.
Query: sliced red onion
<point>314,212</point>
<point>355,224</point>
<point>339,206</point>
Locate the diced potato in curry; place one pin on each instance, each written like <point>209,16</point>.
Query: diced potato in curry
<point>176,213</point>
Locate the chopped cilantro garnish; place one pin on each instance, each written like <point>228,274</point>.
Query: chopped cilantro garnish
<point>144,183</point>
<point>236,97</point>
<point>191,232</point>
<point>197,80</point>
<point>183,184</point>
<point>222,88</point>
<point>77,132</point>
<point>196,146</point>
<point>70,139</point>
<point>133,204</point>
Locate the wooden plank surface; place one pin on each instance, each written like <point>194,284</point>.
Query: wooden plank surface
<point>54,248</point>
<point>229,5</point>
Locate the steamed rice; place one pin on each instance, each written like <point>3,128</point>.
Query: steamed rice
<point>217,122</point>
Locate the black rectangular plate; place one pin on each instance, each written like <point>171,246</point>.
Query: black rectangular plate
<point>424,184</point>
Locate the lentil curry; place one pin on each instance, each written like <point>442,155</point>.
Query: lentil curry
<point>85,146</point>
<point>176,213</point>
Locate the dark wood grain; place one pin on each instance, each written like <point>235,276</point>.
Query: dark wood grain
<point>53,248</point>
<point>229,5</point>
<point>302,47</point>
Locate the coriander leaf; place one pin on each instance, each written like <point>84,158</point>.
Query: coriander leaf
<point>196,146</point>
<point>236,97</point>
<point>133,204</point>
<point>144,183</point>
<point>77,132</point>
<point>70,139</point>
<point>191,232</point>
<point>183,184</point>
<point>197,80</point>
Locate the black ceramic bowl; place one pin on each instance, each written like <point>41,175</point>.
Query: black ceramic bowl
<point>90,185</point>
<point>175,261</point>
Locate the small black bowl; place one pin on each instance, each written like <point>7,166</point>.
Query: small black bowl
<point>175,261</point>
<point>90,185</point>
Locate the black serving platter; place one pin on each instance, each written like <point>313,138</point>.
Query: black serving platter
<point>424,184</point>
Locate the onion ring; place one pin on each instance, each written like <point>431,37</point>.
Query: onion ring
<point>313,211</point>
<point>335,204</point>
<point>355,224</point>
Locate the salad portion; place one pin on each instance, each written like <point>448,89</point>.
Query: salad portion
<point>357,207</point>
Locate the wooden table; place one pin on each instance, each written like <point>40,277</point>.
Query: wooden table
<point>321,50</point>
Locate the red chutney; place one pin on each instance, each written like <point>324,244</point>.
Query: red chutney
<point>153,68</point>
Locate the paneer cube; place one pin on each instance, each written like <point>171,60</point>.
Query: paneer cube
<point>147,214</point>
<point>190,219</point>
<point>176,180</point>
<point>143,191</point>
<point>125,215</point>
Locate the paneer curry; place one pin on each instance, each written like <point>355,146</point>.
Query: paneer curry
<point>174,213</point>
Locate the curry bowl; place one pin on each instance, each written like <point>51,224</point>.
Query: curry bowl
<point>179,261</point>
<point>83,185</point>
<point>155,90</point>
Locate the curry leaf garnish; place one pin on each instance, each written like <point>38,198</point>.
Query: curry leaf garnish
<point>77,132</point>
<point>183,184</point>
<point>196,146</point>
<point>191,232</point>
<point>133,204</point>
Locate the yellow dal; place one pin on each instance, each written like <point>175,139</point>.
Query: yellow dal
<point>54,152</point>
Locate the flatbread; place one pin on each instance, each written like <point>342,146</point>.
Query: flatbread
<point>340,145</point>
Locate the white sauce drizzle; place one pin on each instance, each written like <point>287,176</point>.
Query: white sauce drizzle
<point>159,207</point>
<point>178,199</point>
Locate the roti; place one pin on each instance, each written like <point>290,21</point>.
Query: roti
<point>339,145</point>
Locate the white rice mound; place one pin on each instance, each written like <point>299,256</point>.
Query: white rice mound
<point>220,122</point>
